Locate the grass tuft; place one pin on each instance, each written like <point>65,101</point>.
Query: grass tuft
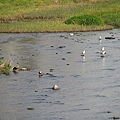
<point>5,68</point>
<point>85,20</point>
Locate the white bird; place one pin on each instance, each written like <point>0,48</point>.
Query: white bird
<point>83,53</point>
<point>100,37</point>
<point>103,50</point>
<point>71,34</point>
<point>103,54</point>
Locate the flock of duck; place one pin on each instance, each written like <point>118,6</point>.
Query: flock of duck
<point>55,87</point>
<point>16,68</point>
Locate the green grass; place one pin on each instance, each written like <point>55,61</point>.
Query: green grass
<point>85,20</point>
<point>47,15</point>
<point>5,68</point>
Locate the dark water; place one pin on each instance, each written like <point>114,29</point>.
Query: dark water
<point>89,86</point>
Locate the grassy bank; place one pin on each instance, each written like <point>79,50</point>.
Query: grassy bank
<point>49,15</point>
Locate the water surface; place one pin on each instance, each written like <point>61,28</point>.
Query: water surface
<point>89,86</point>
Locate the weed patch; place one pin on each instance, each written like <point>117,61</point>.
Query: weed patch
<point>5,68</point>
<point>85,20</point>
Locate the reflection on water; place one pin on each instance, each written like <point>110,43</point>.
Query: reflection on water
<point>89,85</point>
<point>103,62</point>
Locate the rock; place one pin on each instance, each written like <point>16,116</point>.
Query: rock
<point>62,46</point>
<point>116,117</point>
<point>109,37</point>
<point>2,65</point>
<point>30,108</point>
<point>68,52</point>
<point>1,57</point>
<point>51,70</point>
<point>109,112</point>
<point>24,69</point>
<point>55,87</point>
<point>63,58</point>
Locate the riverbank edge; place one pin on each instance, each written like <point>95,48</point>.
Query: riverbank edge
<point>61,31</point>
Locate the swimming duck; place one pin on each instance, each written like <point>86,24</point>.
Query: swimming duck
<point>40,73</point>
<point>15,69</point>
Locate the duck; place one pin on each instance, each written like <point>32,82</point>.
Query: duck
<point>15,69</point>
<point>40,73</point>
<point>83,53</point>
<point>103,50</point>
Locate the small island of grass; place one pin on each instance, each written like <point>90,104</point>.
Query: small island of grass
<point>55,15</point>
<point>5,68</point>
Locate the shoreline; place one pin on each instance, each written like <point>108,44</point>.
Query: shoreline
<point>64,31</point>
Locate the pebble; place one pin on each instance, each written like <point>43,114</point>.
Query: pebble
<point>109,37</point>
<point>62,46</point>
<point>51,70</point>
<point>36,90</point>
<point>116,117</point>
<point>55,87</point>
<point>30,108</point>
<point>63,58</point>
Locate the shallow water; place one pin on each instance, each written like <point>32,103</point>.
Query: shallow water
<point>89,86</point>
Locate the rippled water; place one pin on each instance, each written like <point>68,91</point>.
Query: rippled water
<point>89,86</point>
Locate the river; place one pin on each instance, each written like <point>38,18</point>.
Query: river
<point>89,86</point>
